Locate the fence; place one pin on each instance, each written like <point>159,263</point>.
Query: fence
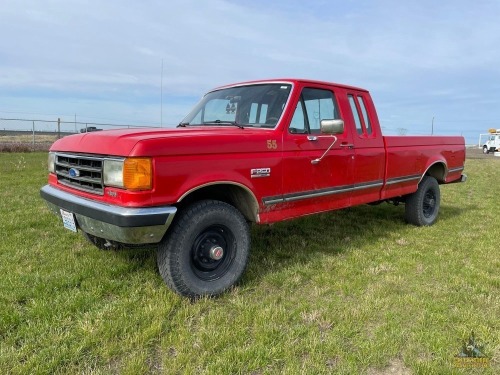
<point>29,134</point>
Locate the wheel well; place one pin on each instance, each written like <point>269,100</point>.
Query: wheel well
<point>235,195</point>
<point>438,171</point>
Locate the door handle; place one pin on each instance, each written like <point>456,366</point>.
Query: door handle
<point>348,145</point>
<point>312,138</point>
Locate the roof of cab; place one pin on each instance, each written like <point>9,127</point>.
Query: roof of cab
<point>290,80</point>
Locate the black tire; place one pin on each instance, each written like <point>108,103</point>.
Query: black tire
<point>187,256</point>
<point>486,150</point>
<point>422,207</point>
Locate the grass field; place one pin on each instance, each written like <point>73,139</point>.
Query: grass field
<point>349,292</point>
<point>24,143</point>
<point>27,138</point>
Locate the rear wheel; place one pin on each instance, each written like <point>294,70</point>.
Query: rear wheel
<point>422,207</point>
<point>206,250</point>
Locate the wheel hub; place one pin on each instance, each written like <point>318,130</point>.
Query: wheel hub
<point>216,252</point>
<point>429,204</point>
<point>212,252</point>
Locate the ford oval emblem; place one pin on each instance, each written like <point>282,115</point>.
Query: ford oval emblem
<point>74,172</point>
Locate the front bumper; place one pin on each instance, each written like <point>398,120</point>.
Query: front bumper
<point>114,223</point>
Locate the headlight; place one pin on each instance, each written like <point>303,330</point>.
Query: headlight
<point>52,162</point>
<point>130,173</point>
<point>113,173</point>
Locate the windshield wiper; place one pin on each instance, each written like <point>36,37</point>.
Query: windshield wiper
<point>225,122</point>
<point>182,124</point>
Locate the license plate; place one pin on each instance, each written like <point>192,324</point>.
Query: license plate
<point>68,220</point>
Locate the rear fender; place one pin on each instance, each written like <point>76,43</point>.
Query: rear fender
<point>436,169</point>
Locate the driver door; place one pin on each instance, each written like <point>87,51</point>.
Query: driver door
<point>313,187</point>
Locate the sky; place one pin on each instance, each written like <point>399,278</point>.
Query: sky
<point>431,66</point>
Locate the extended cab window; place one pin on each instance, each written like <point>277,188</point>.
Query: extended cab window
<point>258,113</point>
<point>314,105</point>
<point>355,114</point>
<point>360,115</point>
<point>366,119</point>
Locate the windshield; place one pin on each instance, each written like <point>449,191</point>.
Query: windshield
<point>258,105</point>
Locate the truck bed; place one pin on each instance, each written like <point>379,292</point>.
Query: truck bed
<point>410,157</point>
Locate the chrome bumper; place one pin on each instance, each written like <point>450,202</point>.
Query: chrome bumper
<point>121,224</point>
<point>463,178</point>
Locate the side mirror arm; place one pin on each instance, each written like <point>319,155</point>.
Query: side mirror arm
<point>316,161</point>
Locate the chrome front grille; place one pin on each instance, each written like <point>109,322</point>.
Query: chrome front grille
<point>80,172</point>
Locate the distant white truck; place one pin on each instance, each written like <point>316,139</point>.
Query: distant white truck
<point>492,144</point>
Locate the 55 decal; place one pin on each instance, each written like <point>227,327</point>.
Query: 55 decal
<point>271,144</point>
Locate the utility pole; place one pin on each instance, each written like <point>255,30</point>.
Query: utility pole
<point>161,96</point>
<point>432,129</point>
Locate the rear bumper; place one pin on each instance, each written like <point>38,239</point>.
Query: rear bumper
<point>463,178</point>
<point>115,223</point>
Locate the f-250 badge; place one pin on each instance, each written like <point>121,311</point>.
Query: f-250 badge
<point>260,172</point>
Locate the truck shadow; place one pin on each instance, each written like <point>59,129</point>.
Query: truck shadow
<point>300,241</point>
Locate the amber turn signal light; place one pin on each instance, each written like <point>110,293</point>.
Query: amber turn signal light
<point>137,174</point>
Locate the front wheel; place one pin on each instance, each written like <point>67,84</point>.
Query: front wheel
<point>486,150</point>
<point>422,207</point>
<point>206,250</point>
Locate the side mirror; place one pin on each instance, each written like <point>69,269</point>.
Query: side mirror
<point>332,126</point>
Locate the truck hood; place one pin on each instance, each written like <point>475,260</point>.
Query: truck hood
<point>159,142</point>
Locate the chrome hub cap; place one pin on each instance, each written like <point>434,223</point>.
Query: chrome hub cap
<point>216,252</point>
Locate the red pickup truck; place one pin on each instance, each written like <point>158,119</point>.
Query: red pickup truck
<point>254,152</point>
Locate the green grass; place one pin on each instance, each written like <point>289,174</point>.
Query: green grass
<point>353,291</point>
